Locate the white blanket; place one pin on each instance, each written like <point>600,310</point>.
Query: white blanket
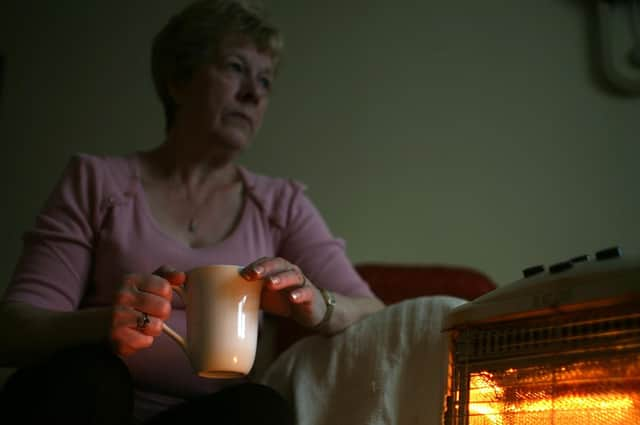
<point>389,368</point>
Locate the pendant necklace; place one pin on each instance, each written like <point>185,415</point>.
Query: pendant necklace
<point>192,226</point>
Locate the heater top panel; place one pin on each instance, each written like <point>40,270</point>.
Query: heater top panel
<point>584,284</point>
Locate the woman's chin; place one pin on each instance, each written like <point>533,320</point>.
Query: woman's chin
<point>237,141</point>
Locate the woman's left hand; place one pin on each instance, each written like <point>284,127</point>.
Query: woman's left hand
<point>287,291</point>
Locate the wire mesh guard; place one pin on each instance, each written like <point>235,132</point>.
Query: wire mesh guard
<point>582,393</point>
<point>577,370</point>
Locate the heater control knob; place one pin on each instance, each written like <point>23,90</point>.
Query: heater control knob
<point>533,270</point>
<point>580,259</point>
<point>609,253</point>
<point>560,267</point>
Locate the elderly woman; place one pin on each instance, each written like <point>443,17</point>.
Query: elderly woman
<point>116,232</point>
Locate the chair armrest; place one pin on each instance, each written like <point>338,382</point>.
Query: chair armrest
<point>396,282</point>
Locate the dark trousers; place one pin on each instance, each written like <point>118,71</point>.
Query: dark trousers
<point>91,385</point>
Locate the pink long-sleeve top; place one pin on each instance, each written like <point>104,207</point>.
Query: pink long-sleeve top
<point>96,226</point>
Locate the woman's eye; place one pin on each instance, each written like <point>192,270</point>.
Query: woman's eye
<point>235,66</point>
<point>265,83</point>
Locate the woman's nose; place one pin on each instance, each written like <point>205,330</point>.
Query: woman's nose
<point>250,91</point>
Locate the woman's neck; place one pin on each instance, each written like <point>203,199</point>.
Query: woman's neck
<point>178,162</point>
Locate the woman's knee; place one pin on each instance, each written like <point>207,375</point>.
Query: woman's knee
<point>73,385</point>
<point>93,364</point>
<point>244,404</point>
<point>264,406</point>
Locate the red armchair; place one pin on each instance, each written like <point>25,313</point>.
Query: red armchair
<point>393,282</point>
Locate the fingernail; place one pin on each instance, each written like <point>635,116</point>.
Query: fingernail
<point>295,296</point>
<point>175,278</point>
<point>247,273</point>
<point>259,270</point>
<point>274,280</point>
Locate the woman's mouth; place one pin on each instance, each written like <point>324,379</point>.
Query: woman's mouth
<point>240,116</point>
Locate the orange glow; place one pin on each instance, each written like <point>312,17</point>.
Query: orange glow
<point>522,404</point>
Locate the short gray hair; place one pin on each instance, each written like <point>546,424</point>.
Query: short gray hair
<point>191,38</point>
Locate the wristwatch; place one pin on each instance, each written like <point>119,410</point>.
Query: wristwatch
<point>330,303</point>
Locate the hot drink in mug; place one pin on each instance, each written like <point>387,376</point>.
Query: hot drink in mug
<point>222,312</point>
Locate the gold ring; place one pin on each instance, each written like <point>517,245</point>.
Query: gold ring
<point>142,321</point>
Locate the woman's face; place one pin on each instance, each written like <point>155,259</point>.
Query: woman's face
<point>225,101</point>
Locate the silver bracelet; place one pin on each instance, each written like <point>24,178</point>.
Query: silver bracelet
<point>330,303</point>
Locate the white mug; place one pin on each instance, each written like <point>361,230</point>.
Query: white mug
<point>222,321</point>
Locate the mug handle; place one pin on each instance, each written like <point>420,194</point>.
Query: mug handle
<point>167,329</point>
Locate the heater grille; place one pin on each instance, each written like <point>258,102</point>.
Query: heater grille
<point>580,368</point>
<point>585,331</point>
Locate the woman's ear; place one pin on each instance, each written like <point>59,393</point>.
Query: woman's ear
<point>176,90</point>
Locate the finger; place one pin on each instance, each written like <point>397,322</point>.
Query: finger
<point>301,295</point>
<point>132,319</point>
<point>276,303</point>
<point>175,277</point>
<point>124,339</point>
<point>256,269</point>
<point>148,283</point>
<point>265,267</point>
<point>135,299</point>
<point>156,285</point>
<point>287,279</point>
<point>147,325</point>
<point>153,305</point>
<point>127,341</point>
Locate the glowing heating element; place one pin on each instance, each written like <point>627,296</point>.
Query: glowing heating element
<point>495,400</point>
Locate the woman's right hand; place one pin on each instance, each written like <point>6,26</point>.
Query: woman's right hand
<point>142,297</point>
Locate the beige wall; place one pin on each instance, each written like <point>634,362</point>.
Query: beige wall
<point>470,133</point>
